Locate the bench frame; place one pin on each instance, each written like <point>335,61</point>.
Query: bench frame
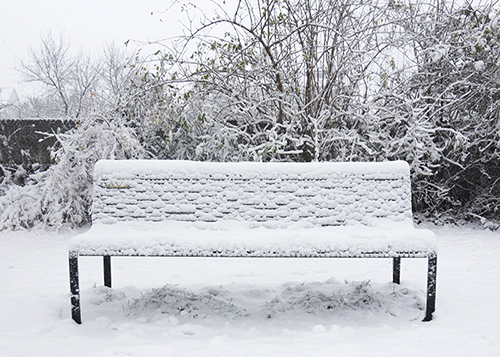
<point>396,279</point>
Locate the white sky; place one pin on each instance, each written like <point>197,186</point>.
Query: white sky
<point>87,24</point>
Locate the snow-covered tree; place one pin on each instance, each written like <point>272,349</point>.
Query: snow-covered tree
<point>454,94</point>
<point>283,80</point>
<point>61,196</point>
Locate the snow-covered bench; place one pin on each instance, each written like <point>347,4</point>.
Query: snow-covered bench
<point>199,209</point>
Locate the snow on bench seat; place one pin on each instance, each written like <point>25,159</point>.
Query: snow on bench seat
<point>234,238</point>
<point>186,208</point>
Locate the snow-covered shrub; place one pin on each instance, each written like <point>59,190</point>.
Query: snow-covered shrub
<point>176,301</point>
<point>291,300</point>
<point>455,92</point>
<point>61,196</point>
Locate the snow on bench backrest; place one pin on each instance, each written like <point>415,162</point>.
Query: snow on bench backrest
<point>322,194</point>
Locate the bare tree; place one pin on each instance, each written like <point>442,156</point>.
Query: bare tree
<point>85,79</point>
<point>71,81</point>
<point>50,65</point>
<point>117,69</point>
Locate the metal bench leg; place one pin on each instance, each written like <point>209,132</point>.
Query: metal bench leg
<point>431,287</point>
<point>396,270</point>
<point>107,271</point>
<point>75,288</point>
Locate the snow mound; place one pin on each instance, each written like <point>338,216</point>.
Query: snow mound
<point>174,301</point>
<point>295,301</point>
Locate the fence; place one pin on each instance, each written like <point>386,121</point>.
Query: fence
<point>22,142</point>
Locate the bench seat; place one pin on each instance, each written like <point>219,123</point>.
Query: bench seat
<point>240,239</point>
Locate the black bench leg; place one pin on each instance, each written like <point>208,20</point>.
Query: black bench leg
<point>107,271</point>
<point>396,270</point>
<point>75,288</point>
<point>431,287</point>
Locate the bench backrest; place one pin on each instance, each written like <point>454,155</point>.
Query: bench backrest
<point>321,194</point>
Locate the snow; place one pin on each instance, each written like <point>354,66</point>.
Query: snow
<point>438,51</point>
<point>479,66</point>
<point>184,168</point>
<point>249,307</point>
<point>235,239</point>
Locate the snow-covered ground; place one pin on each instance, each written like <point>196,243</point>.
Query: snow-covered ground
<point>250,307</point>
